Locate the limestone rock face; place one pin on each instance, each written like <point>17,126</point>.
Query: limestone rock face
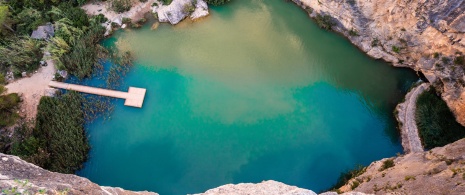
<point>16,173</point>
<point>408,34</point>
<point>265,188</point>
<point>438,171</point>
<point>180,9</point>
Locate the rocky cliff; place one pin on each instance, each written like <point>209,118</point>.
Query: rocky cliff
<point>438,171</point>
<point>20,177</point>
<point>424,35</point>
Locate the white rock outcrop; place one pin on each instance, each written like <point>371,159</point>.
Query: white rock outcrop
<point>180,9</point>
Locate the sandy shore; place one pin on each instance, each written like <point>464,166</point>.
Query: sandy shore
<point>32,89</point>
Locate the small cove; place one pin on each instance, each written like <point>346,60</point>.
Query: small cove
<point>256,91</point>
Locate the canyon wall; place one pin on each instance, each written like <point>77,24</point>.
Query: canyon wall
<point>424,35</point>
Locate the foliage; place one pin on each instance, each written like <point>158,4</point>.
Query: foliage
<point>188,8</point>
<point>28,20</point>
<point>8,105</point>
<point>436,123</point>
<point>60,128</point>
<point>217,2</point>
<point>459,60</point>
<point>395,49</point>
<point>22,54</point>
<point>375,42</point>
<point>353,32</point>
<point>348,175</point>
<point>387,164</point>
<point>166,2</point>
<point>120,5</point>
<point>5,21</point>
<point>325,21</point>
<point>85,53</point>
<point>78,16</point>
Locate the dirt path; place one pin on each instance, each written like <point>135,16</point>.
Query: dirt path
<point>32,89</point>
<point>406,117</point>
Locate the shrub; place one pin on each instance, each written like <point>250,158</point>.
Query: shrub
<point>445,60</point>
<point>395,49</point>
<point>23,54</point>
<point>436,123</point>
<point>166,2</point>
<point>120,5</point>
<point>143,1</point>
<point>60,125</point>
<point>459,60</point>
<point>436,55</point>
<point>353,32</point>
<point>85,53</point>
<point>408,177</point>
<point>325,21</point>
<point>375,42</point>
<point>344,177</point>
<point>127,20</point>
<point>217,2</point>
<point>387,164</point>
<point>8,105</point>
<point>188,8</point>
<point>354,184</point>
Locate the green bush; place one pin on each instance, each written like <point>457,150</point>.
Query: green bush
<point>325,21</point>
<point>395,49</point>
<point>166,2</point>
<point>8,105</point>
<point>217,2</point>
<point>120,5</point>
<point>459,60</point>
<point>348,175</point>
<point>60,130</point>
<point>436,123</point>
<point>353,32</point>
<point>85,53</point>
<point>22,54</point>
<point>387,164</point>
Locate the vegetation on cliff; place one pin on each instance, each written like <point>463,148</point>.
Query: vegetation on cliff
<point>217,2</point>
<point>436,123</point>
<point>58,142</point>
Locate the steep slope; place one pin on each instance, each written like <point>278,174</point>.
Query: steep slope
<point>19,176</point>
<point>438,171</point>
<point>424,35</point>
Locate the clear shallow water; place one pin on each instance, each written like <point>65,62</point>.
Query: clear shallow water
<point>253,92</point>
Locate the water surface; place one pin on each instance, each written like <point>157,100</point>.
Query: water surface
<point>256,91</point>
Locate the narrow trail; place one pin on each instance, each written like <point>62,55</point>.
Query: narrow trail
<point>406,116</point>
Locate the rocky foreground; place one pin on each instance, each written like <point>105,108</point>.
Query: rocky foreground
<point>438,171</point>
<point>424,35</point>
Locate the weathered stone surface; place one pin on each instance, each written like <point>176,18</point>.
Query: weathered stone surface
<point>25,176</point>
<point>439,171</point>
<point>265,188</point>
<point>419,28</point>
<point>179,9</point>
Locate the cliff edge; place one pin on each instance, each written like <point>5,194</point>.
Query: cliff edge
<point>426,36</point>
<point>438,171</point>
<point>19,176</point>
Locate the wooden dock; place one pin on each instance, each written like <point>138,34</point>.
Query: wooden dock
<point>134,97</point>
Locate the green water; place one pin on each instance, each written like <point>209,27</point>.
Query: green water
<point>256,91</point>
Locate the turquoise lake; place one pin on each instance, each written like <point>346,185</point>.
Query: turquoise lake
<point>255,91</point>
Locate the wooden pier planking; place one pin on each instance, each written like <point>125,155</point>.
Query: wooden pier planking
<point>134,97</point>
